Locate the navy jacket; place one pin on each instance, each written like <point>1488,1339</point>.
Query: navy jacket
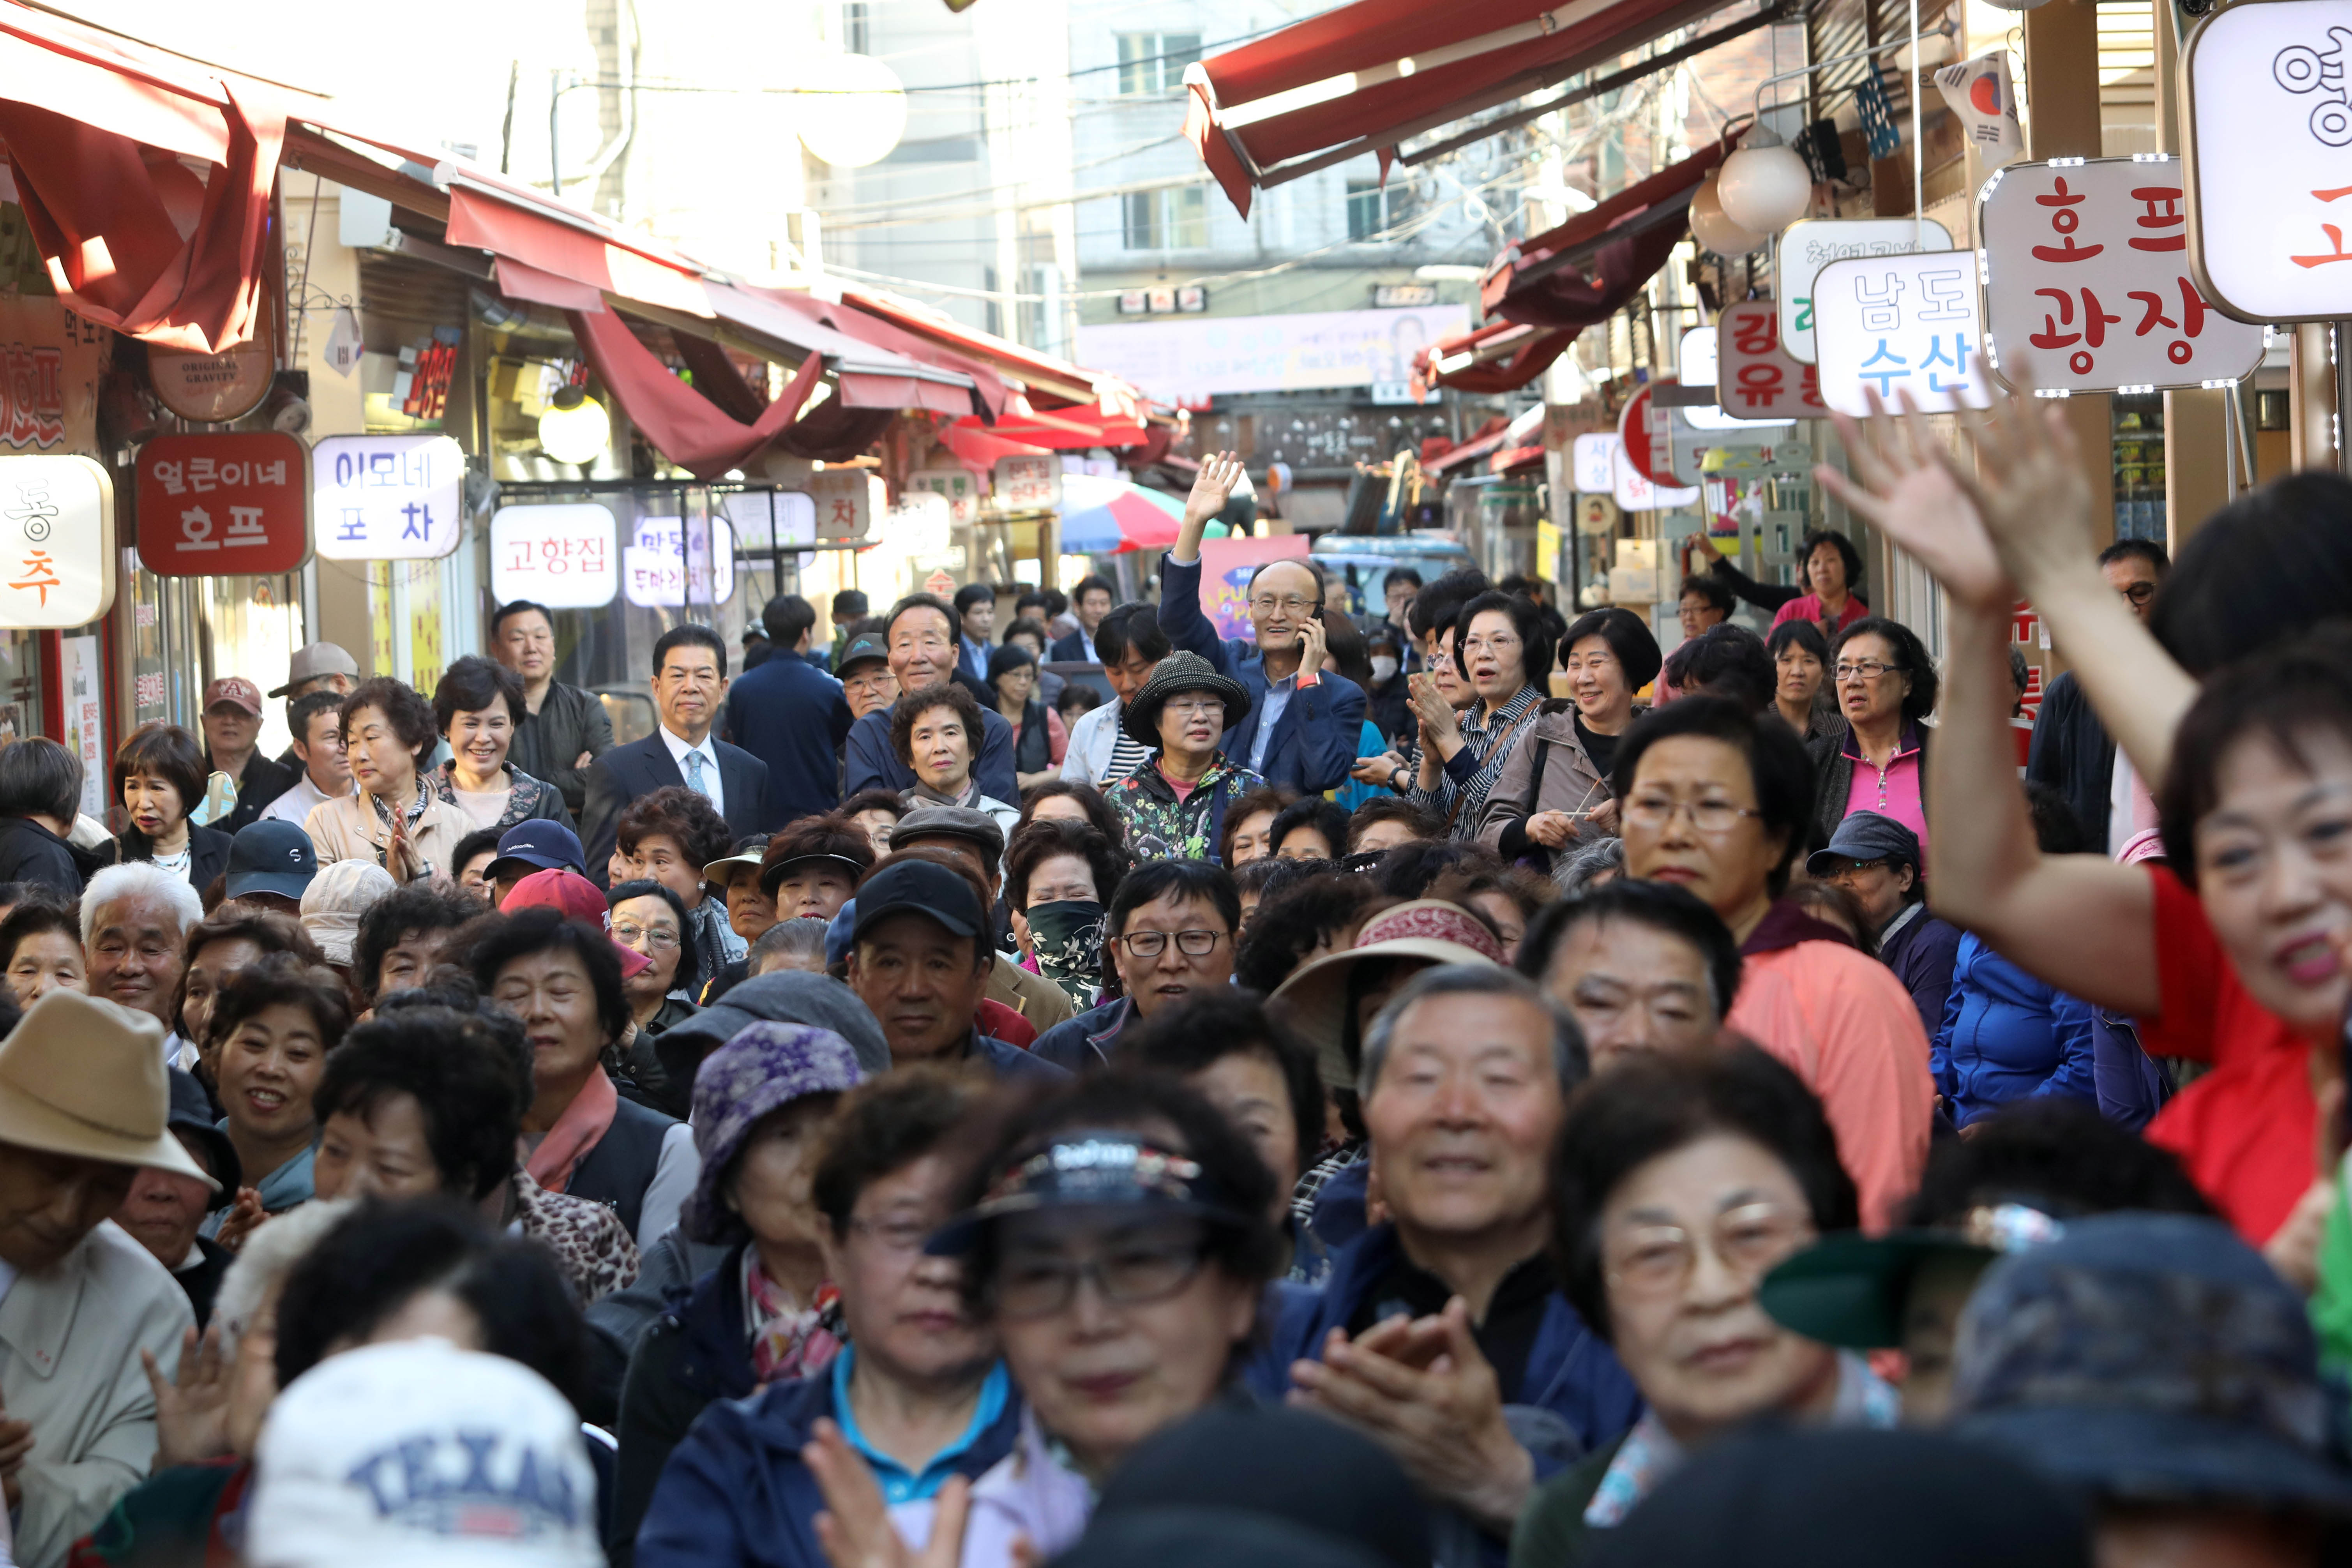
<point>2006,1036</point>
<point>791,716</point>
<point>625,773</point>
<point>1572,1379</point>
<point>696,1351</point>
<point>1314,743</point>
<point>873,763</point>
<point>736,1495</point>
<point>1922,954</point>
<point>1071,649</point>
<point>1088,1040</point>
<point>2074,754</point>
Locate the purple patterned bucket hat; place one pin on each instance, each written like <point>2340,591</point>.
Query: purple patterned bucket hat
<point>765,1067</point>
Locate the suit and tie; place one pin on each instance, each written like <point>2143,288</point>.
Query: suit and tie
<point>625,773</point>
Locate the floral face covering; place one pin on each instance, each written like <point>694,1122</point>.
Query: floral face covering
<point>1068,937</point>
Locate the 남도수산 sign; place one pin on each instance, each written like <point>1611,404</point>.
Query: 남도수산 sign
<point>1900,324</point>
<point>1811,243</point>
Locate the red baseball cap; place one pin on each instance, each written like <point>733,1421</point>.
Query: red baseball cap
<point>236,690</point>
<point>575,897</point>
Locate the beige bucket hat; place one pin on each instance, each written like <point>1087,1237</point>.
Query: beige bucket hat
<point>85,1076</point>
<point>1424,932</point>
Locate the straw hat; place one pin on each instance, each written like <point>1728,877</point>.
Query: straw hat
<point>86,1077</point>
<point>1424,931</point>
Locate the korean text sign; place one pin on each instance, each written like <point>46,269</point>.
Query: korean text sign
<point>1900,324</point>
<point>1811,243</point>
<point>2086,279</point>
<point>2270,177</point>
<point>1226,565</point>
<point>1699,357</point>
<point>562,556</point>
<point>1755,377</point>
<point>1028,484</point>
<point>848,501</point>
<point>673,562</point>
<point>388,498</point>
<point>56,542</point>
<point>233,504</point>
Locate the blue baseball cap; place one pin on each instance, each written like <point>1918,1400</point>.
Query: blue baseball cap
<point>270,857</point>
<point>542,845</point>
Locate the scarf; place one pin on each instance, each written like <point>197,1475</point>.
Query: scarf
<point>383,815</point>
<point>1068,937</point>
<point>579,1129</point>
<point>788,1341</point>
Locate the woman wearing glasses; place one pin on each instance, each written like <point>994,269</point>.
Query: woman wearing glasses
<point>1505,655</point>
<point>1174,805</point>
<point>650,921</point>
<point>1679,1183</point>
<point>1714,799</point>
<point>1874,755</point>
<point>1551,791</point>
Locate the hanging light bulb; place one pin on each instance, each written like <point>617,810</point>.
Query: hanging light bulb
<point>1711,228</point>
<point>574,427</point>
<point>1765,187</point>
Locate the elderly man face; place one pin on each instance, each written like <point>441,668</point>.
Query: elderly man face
<point>1632,988</point>
<point>134,954</point>
<point>49,1201</point>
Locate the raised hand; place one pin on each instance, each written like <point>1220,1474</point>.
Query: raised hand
<point>242,1217</point>
<point>1904,485</point>
<point>1212,487</point>
<point>855,1530</point>
<point>191,1408</point>
<point>2028,485</point>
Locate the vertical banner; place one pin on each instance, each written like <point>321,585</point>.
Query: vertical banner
<point>85,707</point>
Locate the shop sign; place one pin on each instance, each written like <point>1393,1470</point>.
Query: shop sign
<point>50,360</point>
<point>2086,280</point>
<point>847,502</point>
<point>1699,355</point>
<point>1635,492</point>
<point>1756,379</point>
<point>56,542</point>
<point>237,503</point>
<point>562,556</point>
<point>672,562</point>
<point>211,389</point>
<point>1900,324</point>
<point>388,498</point>
<point>2270,185</point>
<point>963,488</point>
<point>1028,484</point>
<point>85,709</point>
<point>1808,245</point>
<point>1593,462</point>
<point>1596,515</point>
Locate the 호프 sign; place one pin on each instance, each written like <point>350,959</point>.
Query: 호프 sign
<point>1811,243</point>
<point>561,555</point>
<point>2270,159</point>
<point>388,498</point>
<point>237,502</point>
<point>56,542</point>
<point>2086,280</point>
<point>1755,378</point>
<point>1899,323</point>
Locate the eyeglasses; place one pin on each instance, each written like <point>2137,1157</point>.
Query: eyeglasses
<point>1861,669</point>
<point>1845,867</point>
<point>1495,644</point>
<point>1191,943</point>
<point>2139,594</point>
<point>1655,811</point>
<point>1657,1260</point>
<point>1132,1276</point>
<point>632,936</point>
<point>1266,604</point>
<point>1187,707</point>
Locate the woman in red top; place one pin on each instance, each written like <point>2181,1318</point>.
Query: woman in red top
<point>2234,954</point>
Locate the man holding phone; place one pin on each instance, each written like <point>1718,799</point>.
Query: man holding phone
<point>1304,722</point>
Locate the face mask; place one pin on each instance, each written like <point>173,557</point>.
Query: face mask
<point>1384,667</point>
<point>1068,937</point>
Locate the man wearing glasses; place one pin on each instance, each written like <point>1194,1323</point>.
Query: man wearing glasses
<point>1303,722</point>
<point>1170,932</point>
<point>2072,751</point>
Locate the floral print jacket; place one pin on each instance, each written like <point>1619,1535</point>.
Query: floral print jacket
<point>1162,828</point>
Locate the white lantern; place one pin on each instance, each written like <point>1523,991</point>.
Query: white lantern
<point>574,427</point>
<point>2022,5</point>
<point>1711,228</point>
<point>1765,187</point>
<point>852,109</point>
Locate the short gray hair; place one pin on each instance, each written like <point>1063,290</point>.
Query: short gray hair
<point>800,938</point>
<point>138,879</point>
<point>268,1256</point>
<point>1574,873</point>
<point>1570,1059</point>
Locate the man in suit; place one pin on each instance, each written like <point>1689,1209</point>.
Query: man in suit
<point>1303,724</point>
<point>921,632</point>
<point>689,682</point>
<point>1091,602</point>
<point>975,611</point>
<point>791,716</point>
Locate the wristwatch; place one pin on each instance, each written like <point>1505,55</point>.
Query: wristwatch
<point>1396,773</point>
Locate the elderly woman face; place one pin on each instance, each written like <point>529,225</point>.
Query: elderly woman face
<point>940,751</point>
<point>1190,723</point>
<point>1016,684</point>
<point>480,738</point>
<point>1871,685</point>
<point>380,761</point>
<point>1496,656</point>
<point>208,971</point>
<point>1825,570</point>
<point>1800,675</point>
<point>382,1149</point>
<point>154,803</point>
<point>554,995</point>
<point>1061,808</point>
<point>770,1187</point>
<point>1684,1238</point>
<point>1690,819</point>
<point>44,962</point>
<point>1596,680</point>
<point>649,926</point>
<point>877,823</point>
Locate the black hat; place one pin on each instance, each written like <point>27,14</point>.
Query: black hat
<point>860,649</point>
<point>190,1114</point>
<point>270,857</point>
<point>1180,671</point>
<point>924,888</point>
<point>970,824</point>
<point>1867,835</point>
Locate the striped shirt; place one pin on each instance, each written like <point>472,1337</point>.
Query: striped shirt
<point>1460,798</point>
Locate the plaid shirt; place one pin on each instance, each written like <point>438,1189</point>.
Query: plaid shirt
<point>1162,828</point>
<point>1462,789</point>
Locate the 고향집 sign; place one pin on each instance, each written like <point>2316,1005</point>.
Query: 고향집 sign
<point>1900,324</point>
<point>561,555</point>
<point>234,503</point>
<point>388,498</point>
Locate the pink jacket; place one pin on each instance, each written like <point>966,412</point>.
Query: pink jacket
<point>1845,1025</point>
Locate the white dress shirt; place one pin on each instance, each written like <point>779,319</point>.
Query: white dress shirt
<point>678,751</point>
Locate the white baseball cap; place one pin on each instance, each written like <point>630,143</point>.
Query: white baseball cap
<point>420,1454</point>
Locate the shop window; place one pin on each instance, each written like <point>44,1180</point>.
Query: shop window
<point>1152,63</point>
<point>1166,220</point>
<point>2139,466</point>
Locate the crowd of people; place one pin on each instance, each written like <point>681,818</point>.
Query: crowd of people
<point>1318,1106</point>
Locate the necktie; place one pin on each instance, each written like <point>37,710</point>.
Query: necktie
<point>695,779</point>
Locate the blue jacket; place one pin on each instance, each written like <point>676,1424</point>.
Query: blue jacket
<point>1086,1040</point>
<point>791,716</point>
<point>1314,742</point>
<point>1572,1379</point>
<point>873,763</point>
<point>736,1495</point>
<point>1922,954</point>
<point>2006,1036</point>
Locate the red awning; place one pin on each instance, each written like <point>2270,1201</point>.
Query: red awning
<point>978,448</point>
<point>566,244</point>
<point>965,385</point>
<point>1586,269</point>
<point>1040,373</point>
<point>689,428</point>
<point>1075,429</point>
<point>1501,356</point>
<point>1366,76</point>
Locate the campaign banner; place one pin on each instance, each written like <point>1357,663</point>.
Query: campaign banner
<point>1226,566</point>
